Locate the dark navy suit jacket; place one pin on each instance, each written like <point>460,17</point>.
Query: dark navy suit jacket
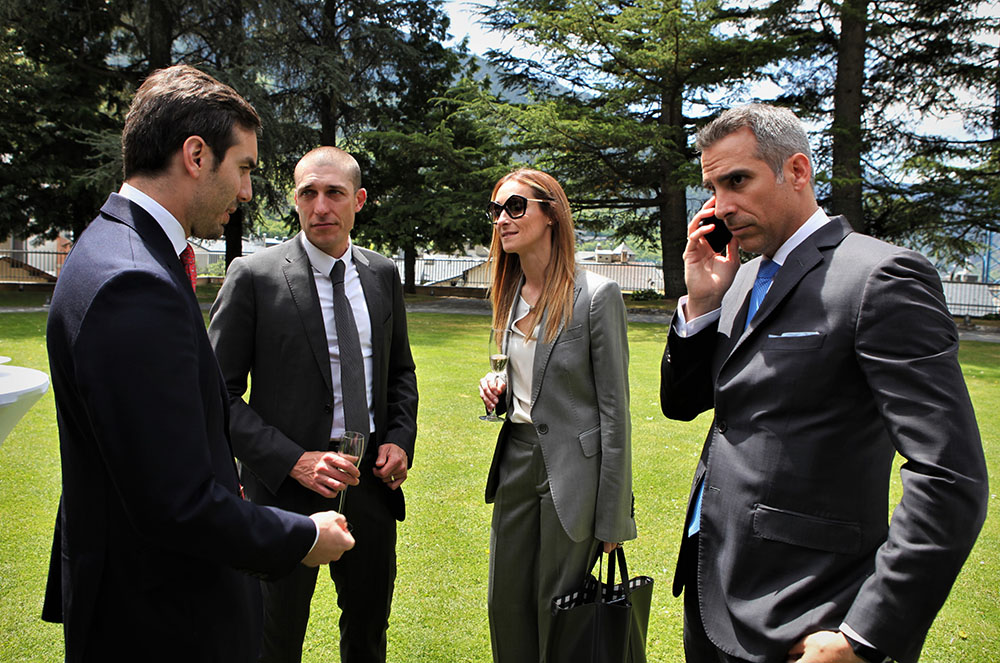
<point>153,544</point>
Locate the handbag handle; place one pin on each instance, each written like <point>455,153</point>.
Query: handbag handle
<point>618,552</point>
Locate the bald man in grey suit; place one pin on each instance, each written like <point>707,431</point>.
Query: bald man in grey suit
<point>822,359</point>
<point>276,316</point>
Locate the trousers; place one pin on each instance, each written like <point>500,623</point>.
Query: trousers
<point>532,559</point>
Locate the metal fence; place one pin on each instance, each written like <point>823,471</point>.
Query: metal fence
<point>24,266</point>
<point>474,273</point>
<point>972,299</point>
<point>30,266</point>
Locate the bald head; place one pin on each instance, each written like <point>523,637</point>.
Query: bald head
<point>329,156</point>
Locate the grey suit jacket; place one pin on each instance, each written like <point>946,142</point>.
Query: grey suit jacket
<point>267,321</point>
<point>580,410</point>
<point>850,358</point>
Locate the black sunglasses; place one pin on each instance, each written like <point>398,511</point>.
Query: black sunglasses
<point>516,206</point>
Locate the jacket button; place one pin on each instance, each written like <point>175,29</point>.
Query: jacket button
<point>328,408</point>
<point>543,428</point>
<point>722,426</point>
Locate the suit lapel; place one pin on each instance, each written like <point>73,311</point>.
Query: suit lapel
<point>374,302</point>
<point>302,286</point>
<point>800,262</point>
<point>123,210</point>
<point>543,350</point>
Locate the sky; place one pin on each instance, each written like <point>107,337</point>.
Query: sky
<point>464,22</point>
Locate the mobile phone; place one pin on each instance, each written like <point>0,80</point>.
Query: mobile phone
<point>719,238</point>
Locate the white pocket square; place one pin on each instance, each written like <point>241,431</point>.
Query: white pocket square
<point>794,334</point>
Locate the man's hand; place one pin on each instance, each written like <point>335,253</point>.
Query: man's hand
<point>491,388</point>
<point>325,472</point>
<point>334,539</point>
<point>823,647</point>
<point>390,466</point>
<point>707,274</point>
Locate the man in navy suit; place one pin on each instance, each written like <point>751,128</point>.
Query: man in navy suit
<point>822,359</point>
<point>154,546</point>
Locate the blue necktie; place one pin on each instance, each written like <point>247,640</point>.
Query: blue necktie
<point>765,275</point>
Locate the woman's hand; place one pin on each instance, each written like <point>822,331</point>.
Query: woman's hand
<point>610,546</point>
<point>491,388</point>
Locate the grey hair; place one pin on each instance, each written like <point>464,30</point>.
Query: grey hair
<point>779,133</point>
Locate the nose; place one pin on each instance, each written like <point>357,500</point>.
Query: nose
<point>246,190</point>
<point>322,204</point>
<point>504,217</point>
<point>724,206</point>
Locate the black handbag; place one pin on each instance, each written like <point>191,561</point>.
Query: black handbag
<point>602,622</point>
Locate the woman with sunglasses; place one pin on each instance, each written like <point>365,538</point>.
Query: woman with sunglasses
<point>561,477</point>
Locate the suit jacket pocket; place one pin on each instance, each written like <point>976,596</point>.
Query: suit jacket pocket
<point>571,334</point>
<point>801,529</point>
<point>792,341</point>
<point>590,441</point>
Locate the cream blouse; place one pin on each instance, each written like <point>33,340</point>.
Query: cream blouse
<point>521,354</point>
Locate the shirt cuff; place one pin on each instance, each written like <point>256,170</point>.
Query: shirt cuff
<point>315,541</point>
<point>684,328</point>
<point>847,630</point>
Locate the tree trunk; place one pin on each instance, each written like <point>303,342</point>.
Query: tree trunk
<point>673,203</point>
<point>160,34</point>
<point>848,100</point>
<point>234,236</point>
<point>409,270</point>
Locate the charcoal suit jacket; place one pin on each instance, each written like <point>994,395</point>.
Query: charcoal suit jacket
<point>850,359</point>
<point>267,321</point>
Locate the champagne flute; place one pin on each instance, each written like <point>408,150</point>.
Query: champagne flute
<point>499,339</point>
<point>352,447</point>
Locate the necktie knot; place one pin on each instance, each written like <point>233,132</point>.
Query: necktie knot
<point>337,273</point>
<point>767,270</point>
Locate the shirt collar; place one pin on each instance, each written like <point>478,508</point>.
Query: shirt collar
<point>171,226</point>
<point>323,262</point>
<point>812,224</point>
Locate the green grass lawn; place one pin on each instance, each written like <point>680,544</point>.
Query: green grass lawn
<point>439,612</point>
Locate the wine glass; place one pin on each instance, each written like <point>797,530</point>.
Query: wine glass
<point>499,339</point>
<point>352,447</point>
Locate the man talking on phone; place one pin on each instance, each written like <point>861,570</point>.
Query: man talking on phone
<point>823,358</point>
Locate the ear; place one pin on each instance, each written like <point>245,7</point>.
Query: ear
<point>360,196</point>
<point>798,171</point>
<point>196,156</point>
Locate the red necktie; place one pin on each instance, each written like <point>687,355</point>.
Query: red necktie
<point>187,259</point>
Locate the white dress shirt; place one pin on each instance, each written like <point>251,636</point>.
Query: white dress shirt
<point>171,226</point>
<point>322,264</point>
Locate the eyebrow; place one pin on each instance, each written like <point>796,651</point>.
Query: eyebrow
<point>727,176</point>
<point>319,185</point>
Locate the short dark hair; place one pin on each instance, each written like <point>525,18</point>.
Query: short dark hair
<point>779,132</point>
<point>174,104</point>
<point>331,156</point>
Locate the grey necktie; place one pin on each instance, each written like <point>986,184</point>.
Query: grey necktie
<point>352,366</point>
